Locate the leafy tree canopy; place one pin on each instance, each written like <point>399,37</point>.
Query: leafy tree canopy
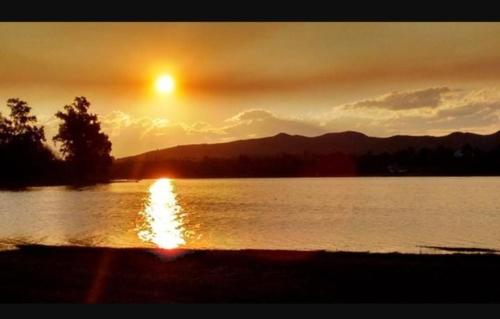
<point>85,147</point>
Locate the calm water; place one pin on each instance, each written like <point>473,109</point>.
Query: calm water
<point>361,214</point>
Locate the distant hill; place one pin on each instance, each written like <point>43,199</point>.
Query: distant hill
<point>333,154</point>
<point>352,143</point>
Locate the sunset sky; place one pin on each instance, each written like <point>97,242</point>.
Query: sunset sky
<point>243,80</point>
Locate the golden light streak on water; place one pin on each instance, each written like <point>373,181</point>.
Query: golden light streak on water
<point>162,222</point>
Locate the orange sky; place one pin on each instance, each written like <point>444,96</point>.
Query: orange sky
<point>241,80</point>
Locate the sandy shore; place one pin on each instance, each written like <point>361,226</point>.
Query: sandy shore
<point>95,275</point>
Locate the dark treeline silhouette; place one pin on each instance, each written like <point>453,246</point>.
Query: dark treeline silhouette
<point>438,161</point>
<point>86,149</point>
<point>84,154</point>
<point>26,159</point>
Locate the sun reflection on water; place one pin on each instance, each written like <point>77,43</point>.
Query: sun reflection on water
<point>162,220</point>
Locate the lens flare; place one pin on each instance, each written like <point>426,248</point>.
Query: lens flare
<point>162,217</point>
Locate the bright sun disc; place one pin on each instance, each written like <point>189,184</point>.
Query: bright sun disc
<point>165,84</point>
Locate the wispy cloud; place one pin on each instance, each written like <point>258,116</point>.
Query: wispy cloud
<point>404,100</point>
<point>134,135</point>
<point>432,111</point>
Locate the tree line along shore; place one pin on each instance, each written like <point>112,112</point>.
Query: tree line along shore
<point>26,158</point>
<point>83,154</point>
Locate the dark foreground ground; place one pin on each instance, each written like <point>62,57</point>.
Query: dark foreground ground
<point>95,275</point>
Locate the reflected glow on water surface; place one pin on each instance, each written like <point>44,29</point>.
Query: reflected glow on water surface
<point>162,220</point>
<point>355,214</point>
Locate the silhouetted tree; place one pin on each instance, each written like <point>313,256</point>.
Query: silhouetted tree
<point>86,149</point>
<point>21,125</point>
<point>5,130</point>
<point>24,158</point>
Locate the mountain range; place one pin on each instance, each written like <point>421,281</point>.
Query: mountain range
<point>349,142</point>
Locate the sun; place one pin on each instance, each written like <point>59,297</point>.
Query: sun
<point>165,84</point>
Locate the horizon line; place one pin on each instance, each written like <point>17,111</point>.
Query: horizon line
<point>304,136</point>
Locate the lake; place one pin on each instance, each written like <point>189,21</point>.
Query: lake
<point>355,214</point>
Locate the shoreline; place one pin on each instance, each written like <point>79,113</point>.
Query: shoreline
<point>23,187</point>
<point>74,274</point>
